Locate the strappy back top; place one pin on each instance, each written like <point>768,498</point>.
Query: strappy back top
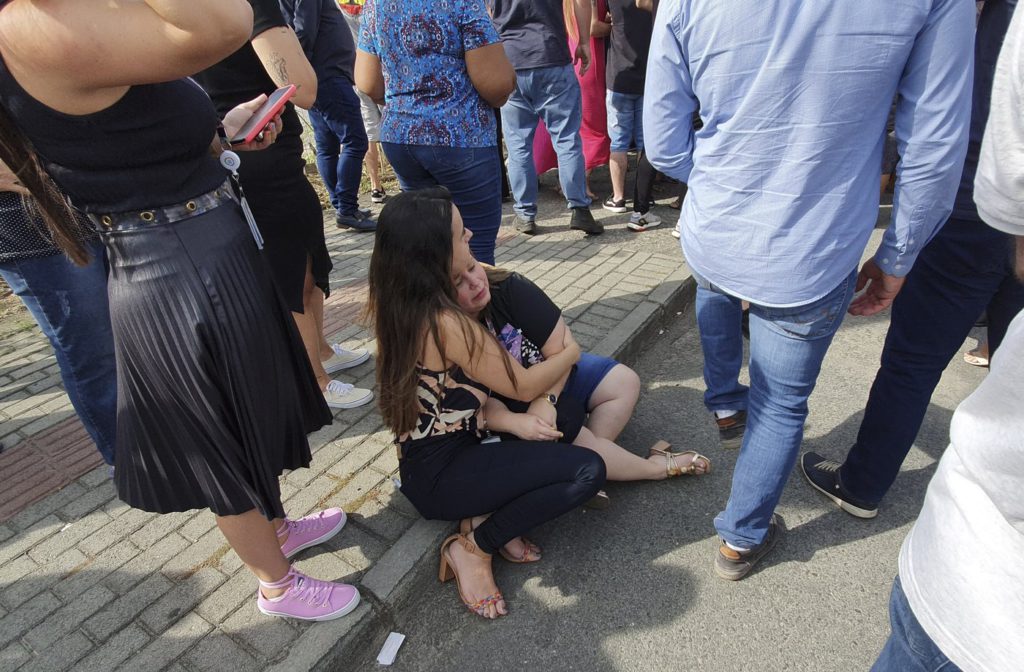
<point>449,403</point>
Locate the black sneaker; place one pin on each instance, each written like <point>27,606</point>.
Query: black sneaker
<point>378,196</point>
<point>823,475</point>
<point>527,226</point>
<point>615,206</point>
<point>733,565</point>
<point>582,220</point>
<point>360,221</point>
<point>730,430</point>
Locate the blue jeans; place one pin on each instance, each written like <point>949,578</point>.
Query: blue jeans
<point>341,144</point>
<point>909,648</point>
<point>472,174</point>
<point>965,270</point>
<point>787,346</point>
<point>552,95</point>
<point>625,120</point>
<point>70,305</point>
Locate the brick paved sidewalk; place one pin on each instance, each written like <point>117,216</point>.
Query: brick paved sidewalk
<point>90,584</point>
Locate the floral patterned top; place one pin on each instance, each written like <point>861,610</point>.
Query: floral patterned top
<point>422,47</point>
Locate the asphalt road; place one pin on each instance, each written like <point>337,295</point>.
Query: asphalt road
<point>631,588</point>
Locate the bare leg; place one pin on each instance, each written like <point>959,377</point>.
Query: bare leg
<point>621,464</point>
<point>254,539</point>
<point>618,163</point>
<point>372,163</point>
<point>590,192</point>
<point>311,333</point>
<point>313,300</point>
<point>612,403</point>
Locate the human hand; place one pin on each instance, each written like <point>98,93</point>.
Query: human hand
<point>582,57</point>
<point>545,410</point>
<point>880,290</point>
<point>240,114</point>
<point>531,428</point>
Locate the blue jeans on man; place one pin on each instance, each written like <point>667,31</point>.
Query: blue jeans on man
<point>70,305</point>
<point>787,346</point>
<point>967,269</point>
<point>909,648</point>
<point>471,174</point>
<point>553,96</point>
<point>341,143</point>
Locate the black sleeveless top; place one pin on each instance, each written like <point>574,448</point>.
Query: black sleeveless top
<point>147,150</point>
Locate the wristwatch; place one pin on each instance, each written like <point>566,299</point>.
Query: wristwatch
<point>552,399</point>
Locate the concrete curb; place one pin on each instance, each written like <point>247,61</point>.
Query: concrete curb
<point>387,585</point>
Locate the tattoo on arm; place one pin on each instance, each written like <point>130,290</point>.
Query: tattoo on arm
<point>279,68</point>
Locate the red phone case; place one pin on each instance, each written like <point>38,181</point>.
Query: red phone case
<point>261,117</point>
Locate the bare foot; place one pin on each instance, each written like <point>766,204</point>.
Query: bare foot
<point>476,581</point>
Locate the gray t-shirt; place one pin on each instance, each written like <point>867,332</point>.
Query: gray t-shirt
<point>532,32</point>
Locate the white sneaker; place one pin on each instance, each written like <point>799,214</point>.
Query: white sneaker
<point>676,231</point>
<point>642,222</point>
<point>345,359</point>
<point>343,395</point>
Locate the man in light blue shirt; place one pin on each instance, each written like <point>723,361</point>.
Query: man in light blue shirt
<point>783,195</point>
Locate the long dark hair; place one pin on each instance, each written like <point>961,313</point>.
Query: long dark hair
<point>410,287</point>
<point>47,201</point>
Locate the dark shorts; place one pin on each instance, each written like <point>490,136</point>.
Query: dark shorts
<point>586,376</point>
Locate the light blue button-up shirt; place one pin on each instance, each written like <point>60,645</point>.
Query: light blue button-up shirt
<point>794,96</point>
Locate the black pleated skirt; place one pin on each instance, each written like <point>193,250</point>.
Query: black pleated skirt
<point>215,393</point>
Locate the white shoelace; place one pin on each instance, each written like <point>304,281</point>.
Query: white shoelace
<point>339,388</point>
<point>340,351</point>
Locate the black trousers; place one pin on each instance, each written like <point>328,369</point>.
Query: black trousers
<point>643,187</point>
<point>520,483</point>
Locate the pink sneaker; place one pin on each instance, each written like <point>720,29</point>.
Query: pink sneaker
<point>308,599</point>
<point>311,530</point>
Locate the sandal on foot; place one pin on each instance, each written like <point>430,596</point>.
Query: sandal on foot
<point>671,468</point>
<point>974,358</point>
<point>446,572</point>
<point>531,551</point>
<point>600,501</point>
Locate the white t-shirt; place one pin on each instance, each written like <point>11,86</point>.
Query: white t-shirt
<point>962,565</point>
<point>999,182</point>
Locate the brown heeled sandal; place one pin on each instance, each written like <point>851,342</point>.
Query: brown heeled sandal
<point>673,469</point>
<point>531,552</point>
<point>446,572</point>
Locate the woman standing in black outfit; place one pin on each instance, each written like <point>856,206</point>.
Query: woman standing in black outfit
<point>283,202</point>
<point>435,369</point>
<point>215,393</point>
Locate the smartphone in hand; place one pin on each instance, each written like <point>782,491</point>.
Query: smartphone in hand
<point>263,116</point>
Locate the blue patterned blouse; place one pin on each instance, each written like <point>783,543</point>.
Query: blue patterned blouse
<point>422,48</point>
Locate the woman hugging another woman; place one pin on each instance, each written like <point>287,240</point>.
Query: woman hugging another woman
<point>436,369</point>
<point>589,406</point>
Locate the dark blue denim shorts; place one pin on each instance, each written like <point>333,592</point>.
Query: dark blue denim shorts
<point>586,376</point>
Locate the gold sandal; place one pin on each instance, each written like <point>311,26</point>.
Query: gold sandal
<point>446,572</point>
<point>531,552</point>
<point>673,469</point>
